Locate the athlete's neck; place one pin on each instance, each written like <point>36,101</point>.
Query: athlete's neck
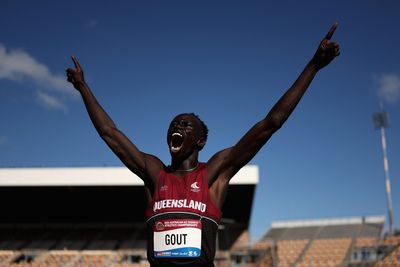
<point>186,166</point>
<point>187,170</point>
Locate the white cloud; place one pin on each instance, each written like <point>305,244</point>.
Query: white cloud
<point>389,87</point>
<point>17,65</point>
<point>50,101</point>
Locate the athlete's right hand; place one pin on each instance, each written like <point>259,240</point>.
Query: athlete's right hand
<point>75,75</point>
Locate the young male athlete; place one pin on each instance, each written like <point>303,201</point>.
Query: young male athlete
<point>185,198</point>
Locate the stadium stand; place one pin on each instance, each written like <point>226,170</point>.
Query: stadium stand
<point>89,217</point>
<point>391,245</point>
<point>353,241</point>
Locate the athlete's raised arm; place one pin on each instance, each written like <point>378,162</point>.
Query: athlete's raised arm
<point>226,163</point>
<point>144,165</point>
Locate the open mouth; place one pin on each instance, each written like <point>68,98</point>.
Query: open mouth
<point>176,142</point>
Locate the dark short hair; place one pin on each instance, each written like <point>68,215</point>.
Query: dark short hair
<point>204,127</point>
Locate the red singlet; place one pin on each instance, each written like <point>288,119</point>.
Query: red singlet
<point>182,220</point>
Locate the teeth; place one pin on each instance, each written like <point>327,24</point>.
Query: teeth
<point>174,147</point>
<point>176,134</point>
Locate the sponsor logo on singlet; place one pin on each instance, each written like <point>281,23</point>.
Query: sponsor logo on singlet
<point>164,188</point>
<point>194,187</point>
<point>179,203</point>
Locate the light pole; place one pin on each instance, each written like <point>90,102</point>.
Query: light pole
<point>381,122</point>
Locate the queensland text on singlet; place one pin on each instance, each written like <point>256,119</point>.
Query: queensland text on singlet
<point>179,203</point>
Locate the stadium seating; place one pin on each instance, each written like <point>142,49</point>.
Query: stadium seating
<point>124,246</point>
<point>6,256</point>
<point>326,252</point>
<point>393,257</point>
<point>392,241</point>
<point>366,242</point>
<point>85,258</point>
<point>289,251</point>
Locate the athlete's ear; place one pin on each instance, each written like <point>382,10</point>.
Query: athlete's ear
<point>201,143</point>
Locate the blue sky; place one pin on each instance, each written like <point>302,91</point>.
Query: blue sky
<point>229,62</point>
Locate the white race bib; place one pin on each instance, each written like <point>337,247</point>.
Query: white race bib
<point>177,238</point>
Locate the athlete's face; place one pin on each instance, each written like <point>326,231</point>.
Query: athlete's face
<point>184,135</point>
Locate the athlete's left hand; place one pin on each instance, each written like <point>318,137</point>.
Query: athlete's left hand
<point>327,50</point>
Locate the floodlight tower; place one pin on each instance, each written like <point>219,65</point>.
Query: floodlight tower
<point>381,122</point>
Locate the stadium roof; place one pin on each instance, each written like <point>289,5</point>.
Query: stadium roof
<point>326,222</point>
<point>41,197</point>
<point>93,176</point>
<point>370,226</point>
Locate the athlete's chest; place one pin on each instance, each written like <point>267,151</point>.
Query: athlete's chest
<point>191,186</point>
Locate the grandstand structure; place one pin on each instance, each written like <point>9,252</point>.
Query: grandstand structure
<point>356,241</point>
<point>89,217</point>
<point>95,217</point>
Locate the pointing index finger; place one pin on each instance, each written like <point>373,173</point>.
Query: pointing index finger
<point>76,63</point>
<point>331,31</point>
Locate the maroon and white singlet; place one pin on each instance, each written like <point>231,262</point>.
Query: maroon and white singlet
<point>182,220</point>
